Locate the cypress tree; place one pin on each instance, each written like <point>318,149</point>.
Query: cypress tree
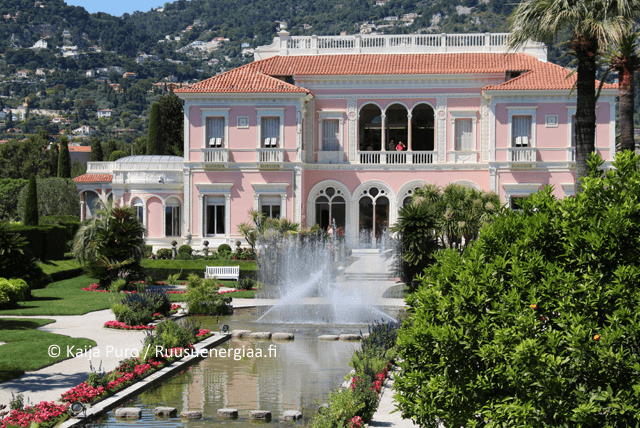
<point>96,151</point>
<point>154,137</point>
<point>64,160</point>
<point>30,215</point>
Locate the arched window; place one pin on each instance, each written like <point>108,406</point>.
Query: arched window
<point>91,202</point>
<point>172,217</point>
<point>373,214</point>
<point>330,207</point>
<point>138,206</point>
<point>370,123</point>
<point>397,126</point>
<point>422,128</point>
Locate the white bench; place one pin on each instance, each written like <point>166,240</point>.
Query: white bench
<point>222,272</point>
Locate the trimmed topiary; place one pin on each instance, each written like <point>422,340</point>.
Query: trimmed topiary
<point>30,215</point>
<point>224,249</point>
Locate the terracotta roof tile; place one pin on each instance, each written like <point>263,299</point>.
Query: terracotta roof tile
<point>547,77</point>
<point>243,80</point>
<point>84,149</point>
<point>94,178</point>
<point>256,77</point>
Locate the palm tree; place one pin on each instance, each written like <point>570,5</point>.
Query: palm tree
<point>624,59</point>
<point>591,24</point>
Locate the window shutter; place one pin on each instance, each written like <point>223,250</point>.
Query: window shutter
<point>464,134</point>
<point>330,136</point>
<point>521,131</point>
<point>215,131</point>
<point>270,131</point>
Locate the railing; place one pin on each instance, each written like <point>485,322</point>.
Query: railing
<point>422,158</point>
<point>270,156</point>
<point>99,167</point>
<point>522,154</point>
<point>392,43</point>
<point>220,156</point>
<point>369,157</point>
<point>398,158</point>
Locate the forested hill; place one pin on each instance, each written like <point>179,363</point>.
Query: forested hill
<point>241,21</point>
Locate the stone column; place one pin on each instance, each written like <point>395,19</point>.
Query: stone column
<point>283,206</point>
<point>227,217</point>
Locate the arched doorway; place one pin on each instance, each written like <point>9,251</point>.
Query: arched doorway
<point>422,128</point>
<point>330,206</point>
<point>397,124</point>
<point>90,204</point>
<point>370,123</point>
<point>373,214</point>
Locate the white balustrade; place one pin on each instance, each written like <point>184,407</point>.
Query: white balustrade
<point>522,154</point>
<point>396,157</point>
<point>422,158</point>
<point>393,43</point>
<point>215,155</point>
<point>369,157</point>
<point>99,167</point>
<point>270,156</point>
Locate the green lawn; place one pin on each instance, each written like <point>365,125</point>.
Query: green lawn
<point>54,266</point>
<point>67,298</point>
<point>28,348</point>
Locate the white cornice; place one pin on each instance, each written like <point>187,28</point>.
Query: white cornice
<point>214,187</point>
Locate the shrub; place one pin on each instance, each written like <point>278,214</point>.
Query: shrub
<point>141,287</point>
<point>16,261</point>
<point>173,279</point>
<point>47,242</point>
<point>148,251</point>
<point>161,269</point>
<point>184,256</point>
<point>247,284</point>
<point>343,406</point>
<point>535,324</point>
<point>164,253</point>
<point>224,249</point>
<point>12,291</point>
<point>138,309</point>
<point>118,285</point>
<point>185,249</point>
<point>170,334</point>
<point>203,298</point>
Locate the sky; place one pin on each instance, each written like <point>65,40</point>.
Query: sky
<point>117,7</point>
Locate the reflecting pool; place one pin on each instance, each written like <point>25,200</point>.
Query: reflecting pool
<point>295,375</point>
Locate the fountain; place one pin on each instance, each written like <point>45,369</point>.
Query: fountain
<point>308,277</point>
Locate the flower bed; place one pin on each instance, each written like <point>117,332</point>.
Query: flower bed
<point>122,326</point>
<point>44,413</point>
<point>95,285</point>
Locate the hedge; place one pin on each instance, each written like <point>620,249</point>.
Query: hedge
<point>45,242</point>
<point>71,224</point>
<point>60,270</point>
<point>161,269</point>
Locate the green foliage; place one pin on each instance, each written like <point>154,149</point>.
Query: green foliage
<point>154,136</point>
<point>172,124</point>
<point>170,334</point>
<point>203,297</point>
<point>9,190</point>
<point>12,291</point>
<point>30,213</point>
<point>138,308</point>
<point>64,159</point>
<point>535,324</point>
<point>117,155</point>
<point>224,249</point>
<point>56,197</point>
<point>96,151</point>
<point>47,242</point>
<point>164,253</point>
<point>16,261</point>
<point>20,159</point>
<point>161,269</point>
<point>118,285</point>
<point>343,406</point>
<point>185,249</point>
<point>247,284</point>
<point>78,169</point>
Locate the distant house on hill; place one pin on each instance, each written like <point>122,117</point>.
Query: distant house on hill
<point>105,113</point>
<point>40,44</point>
<point>129,75</point>
<point>23,73</point>
<point>83,131</point>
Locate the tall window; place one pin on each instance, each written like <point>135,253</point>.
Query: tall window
<point>172,218</point>
<point>521,132</point>
<point>330,136</point>
<point>215,132</point>
<point>573,130</point>
<point>270,206</point>
<point>139,207</point>
<point>270,132</point>
<point>464,135</point>
<point>330,206</point>
<point>214,215</point>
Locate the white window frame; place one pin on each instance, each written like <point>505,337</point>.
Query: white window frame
<point>211,113</point>
<point>262,203</point>
<point>215,189</point>
<point>523,111</point>
<point>142,205</point>
<point>205,205</point>
<point>271,189</point>
<point>270,112</point>
<point>164,216</point>
<point>518,190</point>
<point>331,115</point>
<point>464,114</point>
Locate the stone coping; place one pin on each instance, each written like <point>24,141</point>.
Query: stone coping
<point>139,387</point>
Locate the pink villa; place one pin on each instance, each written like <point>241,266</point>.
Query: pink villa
<point>310,131</point>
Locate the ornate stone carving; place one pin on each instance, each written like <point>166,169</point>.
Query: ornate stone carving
<point>485,129</point>
<point>441,128</point>
<point>352,116</point>
<point>297,192</point>
<point>309,134</point>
